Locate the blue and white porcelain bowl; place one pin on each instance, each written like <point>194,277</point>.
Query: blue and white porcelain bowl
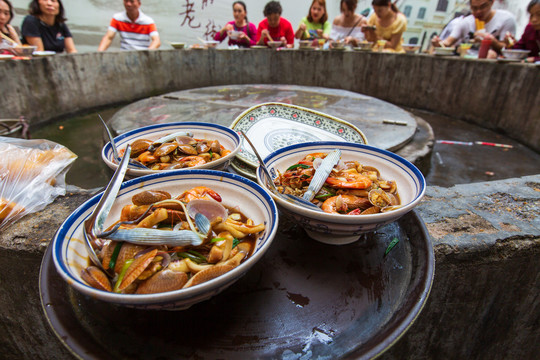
<point>227,137</point>
<point>70,255</point>
<point>340,229</point>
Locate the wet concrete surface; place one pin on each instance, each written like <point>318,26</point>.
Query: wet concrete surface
<point>450,164</point>
<point>464,164</point>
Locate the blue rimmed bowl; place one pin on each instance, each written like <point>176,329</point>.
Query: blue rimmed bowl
<point>340,229</point>
<point>70,256</point>
<point>227,137</point>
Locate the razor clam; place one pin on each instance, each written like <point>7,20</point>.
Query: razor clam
<point>144,236</point>
<point>171,137</point>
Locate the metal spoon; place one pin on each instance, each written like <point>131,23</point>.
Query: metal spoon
<point>95,221</point>
<point>290,198</point>
<point>116,155</point>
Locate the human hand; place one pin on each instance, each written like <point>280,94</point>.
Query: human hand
<point>266,34</point>
<point>302,27</point>
<point>436,41</point>
<point>283,40</point>
<point>319,33</point>
<point>509,40</point>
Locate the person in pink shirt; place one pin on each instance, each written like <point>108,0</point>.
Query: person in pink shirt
<point>241,32</point>
<point>275,27</point>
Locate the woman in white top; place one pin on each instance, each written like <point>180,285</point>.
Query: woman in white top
<point>347,26</point>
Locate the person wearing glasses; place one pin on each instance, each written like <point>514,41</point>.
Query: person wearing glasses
<point>484,23</point>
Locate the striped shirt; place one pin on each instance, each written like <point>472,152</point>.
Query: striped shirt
<point>134,35</point>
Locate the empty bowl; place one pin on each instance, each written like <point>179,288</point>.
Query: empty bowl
<point>227,137</point>
<point>178,45</point>
<point>515,54</point>
<point>334,228</point>
<point>70,255</point>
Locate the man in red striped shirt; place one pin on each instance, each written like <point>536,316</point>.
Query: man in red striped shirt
<point>137,30</point>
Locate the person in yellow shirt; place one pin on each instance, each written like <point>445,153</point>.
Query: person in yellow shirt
<point>386,26</point>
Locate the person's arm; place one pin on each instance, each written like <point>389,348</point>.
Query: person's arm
<point>399,27</point>
<point>252,34</point>
<point>327,28</point>
<point>222,34</point>
<point>156,41</point>
<point>69,45</point>
<point>35,41</point>
<point>289,35</point>
<point>106,40</point>
<point>299,34</point>
<point>13,34</point>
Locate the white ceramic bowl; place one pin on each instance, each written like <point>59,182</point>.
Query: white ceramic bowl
<point>227,137</point>
<point>338,45</point>
<point>410,48</point>
<point>305,44</point>
<point>275,44</point>
<point>70,256</point>
<point>516,54</point>
<point>446,51</point>
<point>235,35</point>
<point>340,229</point>
<point>178,45</point>
<point>211,44</point>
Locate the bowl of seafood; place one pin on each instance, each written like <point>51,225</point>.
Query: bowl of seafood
<point>274,44</point>
<point>515,54</point>
<point>367,188</point>
<point>410,48</point>
<point>211,44</point>
<point>23,50</point>
<point>170,240</point>
<point>173,146</point>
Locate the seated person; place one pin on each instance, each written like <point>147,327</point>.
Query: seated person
<point>386,23</point>
<point>347,26</point>
<point>46,27</point>
<point>530,40</point>
<point>274,27</point>
<point>137,30</point>
<point>239,24</point>
<point>6,14</point>
<point>483,23</point>
<point>316,24</point>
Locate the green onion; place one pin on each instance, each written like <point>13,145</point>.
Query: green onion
<point>211,154</point>
<point>217,239</point>
<point>195,258</point>
<point>323,196</point>
<point>298,165</point>
<point>114,255</point>
<point>235,242</point>
<point>391,245</point>
<point>126,266</point>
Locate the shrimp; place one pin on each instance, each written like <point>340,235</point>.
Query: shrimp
<point>349,180</point>
<point>190,161</point>
<point>199,192</point>
<point>344,203</point>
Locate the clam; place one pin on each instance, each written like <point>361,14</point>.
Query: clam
<point>187,149</point>
<point>96,278</point>
<point>149,197</point>
<point>381,199</point>
<point>211,209</point>
<point>165,149</point>
<point>139,146</point>
<point>202,147</point>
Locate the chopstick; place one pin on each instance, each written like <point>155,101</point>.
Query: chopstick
<point>8,39</point>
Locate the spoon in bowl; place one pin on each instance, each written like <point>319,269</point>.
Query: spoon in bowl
<point>116,155</point>
<point>270,183</point>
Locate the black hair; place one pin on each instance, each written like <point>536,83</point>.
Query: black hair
<point>35,10</point>
<point>385,3</point>
<point>272,7</point>
<point>351,4</point>
<point>10,10</point>
<point>242,4</point>
<point>531,4</point>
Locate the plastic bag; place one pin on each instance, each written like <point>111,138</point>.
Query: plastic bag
<point>32,175</point>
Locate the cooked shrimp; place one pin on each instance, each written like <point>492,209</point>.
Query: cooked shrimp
<point>199,192</point>
<point>349,180</point>
<point>344,203</point>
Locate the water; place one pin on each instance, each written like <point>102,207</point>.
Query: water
<point>454,164</point>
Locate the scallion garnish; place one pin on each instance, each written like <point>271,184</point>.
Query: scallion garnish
<point>217,239</point>
<point>292,167</point>
<point>235,242</point>
<point>391,245</point>
<point>114,256</point>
